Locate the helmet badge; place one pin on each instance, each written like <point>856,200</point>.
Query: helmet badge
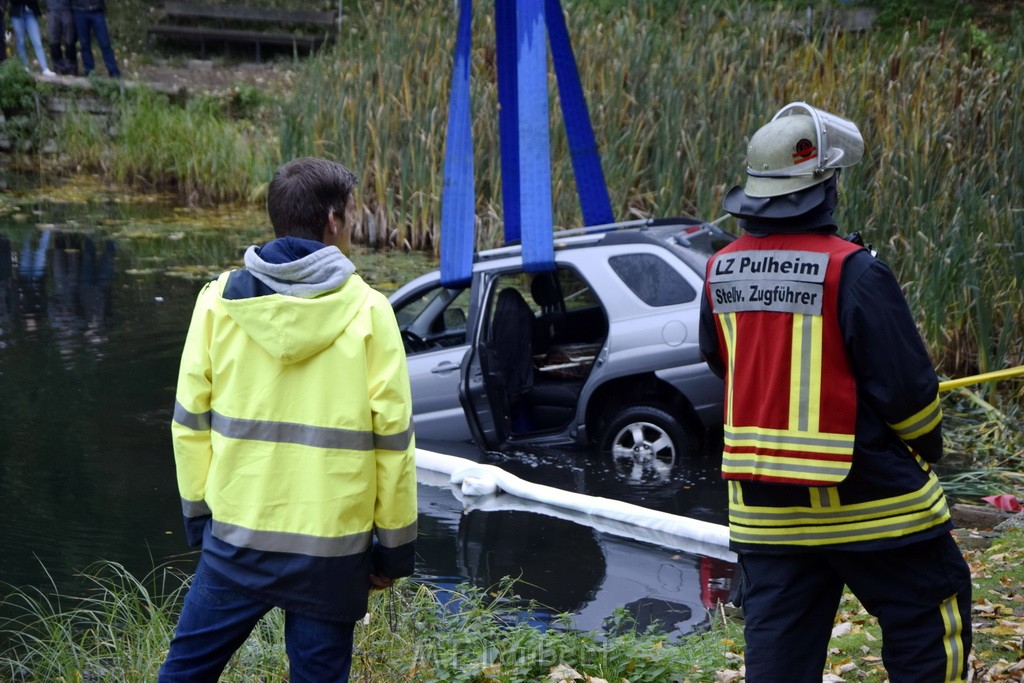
<point>805,151</point>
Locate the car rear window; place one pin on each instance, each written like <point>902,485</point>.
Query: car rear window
<point>653,280</point>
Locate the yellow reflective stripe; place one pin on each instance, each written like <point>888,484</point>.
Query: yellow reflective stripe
<point>921,422</point>
<point>779,439</point>
<point>796,468</point>
<point>728,321</point>
<point>805,373</point>
<point>735,493</point>
<point>889,527</point>
<point>924,497</point>
<point>824,497</point>
<point>814,383</point>
<point>952,639</point>
<point>796,368</point>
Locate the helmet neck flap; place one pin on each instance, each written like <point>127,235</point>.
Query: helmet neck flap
<point>809,210</point>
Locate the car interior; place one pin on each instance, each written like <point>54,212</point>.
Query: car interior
<point>541,354</point>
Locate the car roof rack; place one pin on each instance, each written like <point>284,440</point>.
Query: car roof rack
<point>515,246</point>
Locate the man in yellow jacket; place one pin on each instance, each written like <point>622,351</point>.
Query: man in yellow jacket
<point>293,441</point>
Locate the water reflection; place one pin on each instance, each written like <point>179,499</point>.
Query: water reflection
<point>568,568</point>
<point>56,279</point>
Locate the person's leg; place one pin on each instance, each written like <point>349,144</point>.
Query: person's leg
<point>54,36</point>
<point>67,24</point>
<point>921,595</point>
<point>18,24</point>
<point>32,28</point>
<point>84,41</point>
<point>789,605</point>
<point>99,25</point>
<point>318,651</point>
<point>215,621</point>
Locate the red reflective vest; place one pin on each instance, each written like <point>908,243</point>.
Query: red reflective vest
<point>790,401</point>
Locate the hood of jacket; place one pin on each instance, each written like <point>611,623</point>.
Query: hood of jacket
<point>309,295</point>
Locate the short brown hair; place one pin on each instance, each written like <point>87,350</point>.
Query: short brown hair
<point>302,194</point>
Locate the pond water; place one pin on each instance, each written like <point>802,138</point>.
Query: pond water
<point>95,299</point>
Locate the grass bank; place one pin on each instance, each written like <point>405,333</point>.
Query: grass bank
<point>120,631</point>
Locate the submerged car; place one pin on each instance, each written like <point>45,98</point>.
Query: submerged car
<point>601,351</point>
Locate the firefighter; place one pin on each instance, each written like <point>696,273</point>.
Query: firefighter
<point>832,421</point>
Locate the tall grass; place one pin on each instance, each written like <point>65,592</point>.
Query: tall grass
<point>159,144</point>
<point>674,94</point>
<point>120,632</point>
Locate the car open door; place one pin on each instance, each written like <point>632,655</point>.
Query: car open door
<point>482,399</point>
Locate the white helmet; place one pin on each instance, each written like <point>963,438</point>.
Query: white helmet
<point>800,147</point>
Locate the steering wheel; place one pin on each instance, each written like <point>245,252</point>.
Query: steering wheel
<point>414,342</point>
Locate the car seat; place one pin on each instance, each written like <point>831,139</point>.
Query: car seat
<point>511,341</point>
<point>545,292</point>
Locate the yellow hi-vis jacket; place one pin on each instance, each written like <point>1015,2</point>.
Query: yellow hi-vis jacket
<point>294,445</point>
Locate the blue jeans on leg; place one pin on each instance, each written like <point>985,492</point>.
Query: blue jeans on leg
<point>27,23</point>
<point>87,23</point>
<point>217,618</point>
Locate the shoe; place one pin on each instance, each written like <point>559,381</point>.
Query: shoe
<point>48,73</point>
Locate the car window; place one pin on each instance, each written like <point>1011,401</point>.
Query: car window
<point>437,316</point>
<point>652,279</point>
<point>575,290</point>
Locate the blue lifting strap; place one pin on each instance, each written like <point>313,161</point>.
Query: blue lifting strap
<point>534,137</point>
<point>508,114</point>
<point>586,161</point>
<point>458,214</point>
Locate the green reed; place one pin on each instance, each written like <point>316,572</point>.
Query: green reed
<point>673,93</point>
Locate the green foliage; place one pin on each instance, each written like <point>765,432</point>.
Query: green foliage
<point>160,144</point>
<point>17,89</point>
<point>901,13</point>
<point>19,103</point>
<point>248,102</point>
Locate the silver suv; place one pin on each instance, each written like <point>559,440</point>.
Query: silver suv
<point>600,351</point>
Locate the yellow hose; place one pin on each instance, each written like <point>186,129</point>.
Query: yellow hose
<point>978,379</point>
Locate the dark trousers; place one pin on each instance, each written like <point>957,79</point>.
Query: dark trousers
<point>217,618</point>
<point>88,24</point>
<point>60,26</point>
<point>920,594</point>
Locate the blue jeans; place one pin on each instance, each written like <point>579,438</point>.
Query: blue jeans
<point>216,619</point>
<point>27,22</point>
<point>87,23</point>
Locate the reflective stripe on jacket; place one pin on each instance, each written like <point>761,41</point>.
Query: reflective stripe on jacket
<point>790,403</point>
<point>294,445</point>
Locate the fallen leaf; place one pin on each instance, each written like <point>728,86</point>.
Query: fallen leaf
<point>842,629</point>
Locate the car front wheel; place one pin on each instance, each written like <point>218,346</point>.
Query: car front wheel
<point>645,443</point>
